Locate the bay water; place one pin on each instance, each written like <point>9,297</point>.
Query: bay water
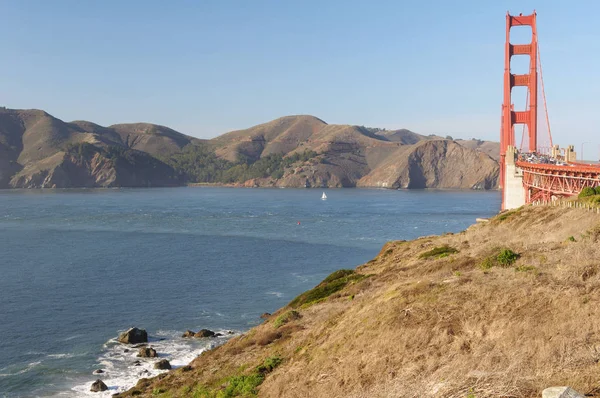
<point>79,266</point>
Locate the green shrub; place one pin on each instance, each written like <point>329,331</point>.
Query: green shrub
<point>571,239</point>
<point>503,258</point>
<point>269,365</point>
<point>597,190</point>
<point>441,251</point>
<point>285,318</point>
<point>337,275</point>
<point>587,191</point>
<point>333,283</point>
<point>242,386</point>
<point>506,257</point>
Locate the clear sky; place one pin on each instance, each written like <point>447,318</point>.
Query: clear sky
<point>207,67</point>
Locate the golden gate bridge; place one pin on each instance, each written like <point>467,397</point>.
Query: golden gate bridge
<point>537,170</point>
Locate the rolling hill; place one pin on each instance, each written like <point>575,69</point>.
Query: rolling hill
<point>39,150</point>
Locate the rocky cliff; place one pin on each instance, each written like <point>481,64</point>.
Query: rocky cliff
<point>96,167</point>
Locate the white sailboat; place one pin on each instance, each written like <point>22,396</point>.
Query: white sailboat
<point>323,197</point>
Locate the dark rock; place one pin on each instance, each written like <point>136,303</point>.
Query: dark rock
<point>218,334</point>
<point>133,336</point>
<point>186,368</point>
<point>188,333</point>
<point>162,364</point>
<point>205,333</point>
<point>98,386</point>
<point>266,315</point>
<point>126,350</point>
<point>98,371</point>
<point>147,352</point>
<point>230,332</point>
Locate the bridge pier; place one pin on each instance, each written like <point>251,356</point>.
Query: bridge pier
<point>513,191</point>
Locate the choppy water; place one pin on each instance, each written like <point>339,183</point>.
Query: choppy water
<point>78,266</point>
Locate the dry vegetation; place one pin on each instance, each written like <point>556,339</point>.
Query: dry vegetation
<point>431,321</point>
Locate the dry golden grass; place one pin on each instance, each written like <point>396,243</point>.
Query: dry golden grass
<point>439,327</point>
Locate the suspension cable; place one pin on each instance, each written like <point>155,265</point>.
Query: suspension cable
<point>544,95</point>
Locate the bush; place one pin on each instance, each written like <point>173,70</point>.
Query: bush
<point>269,365</point>
<point>442,251</point>
<point>597,190</point>
<point>587,191</point>
<point>503,258</point>
<point>506,257</point>
<point>332,284</point>
<point>241,385</point>
<point>285,318</point>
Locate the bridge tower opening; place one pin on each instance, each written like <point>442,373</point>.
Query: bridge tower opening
<point>510,116</point>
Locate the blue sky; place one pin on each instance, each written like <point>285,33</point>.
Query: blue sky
<point>207,67</point>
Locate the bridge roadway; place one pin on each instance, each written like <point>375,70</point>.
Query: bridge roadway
<point>545,181</point>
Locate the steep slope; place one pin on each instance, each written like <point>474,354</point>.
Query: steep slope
<point>435,164</point>
<point>441,316</point>
<point>90,166</point>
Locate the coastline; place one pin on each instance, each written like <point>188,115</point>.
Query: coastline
<point>318,346</point>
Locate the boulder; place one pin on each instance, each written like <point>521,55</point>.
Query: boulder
<point>266,315</point>
<point>133,336</point>
<point>162,364</point>
<point>561,392</point>
<point>205,333</point>
<point>98,371</point>
<point>188,333</point>
<point>147,352</point>
<point>98,386</point>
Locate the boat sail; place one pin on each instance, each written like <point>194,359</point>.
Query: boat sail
<point>324,197</point>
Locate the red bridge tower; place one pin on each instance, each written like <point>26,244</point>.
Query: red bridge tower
<point>510,117</point>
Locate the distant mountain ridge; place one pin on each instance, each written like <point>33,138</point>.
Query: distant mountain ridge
<point>38,150</point>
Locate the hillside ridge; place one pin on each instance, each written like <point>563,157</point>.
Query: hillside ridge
<point>275,153</point>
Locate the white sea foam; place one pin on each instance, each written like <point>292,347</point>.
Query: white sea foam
<point>121,372</point>
<point>276,294</point>
<point>29,367</point>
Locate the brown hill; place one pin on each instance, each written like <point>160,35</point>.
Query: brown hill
<point>503,309</point>
<point>32,144</point>
<point>351,156</point>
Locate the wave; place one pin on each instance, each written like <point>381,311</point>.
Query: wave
<point>29,367</point>
<point>122,368</point>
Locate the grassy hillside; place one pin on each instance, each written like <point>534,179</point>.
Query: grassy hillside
<point>503,309</point>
